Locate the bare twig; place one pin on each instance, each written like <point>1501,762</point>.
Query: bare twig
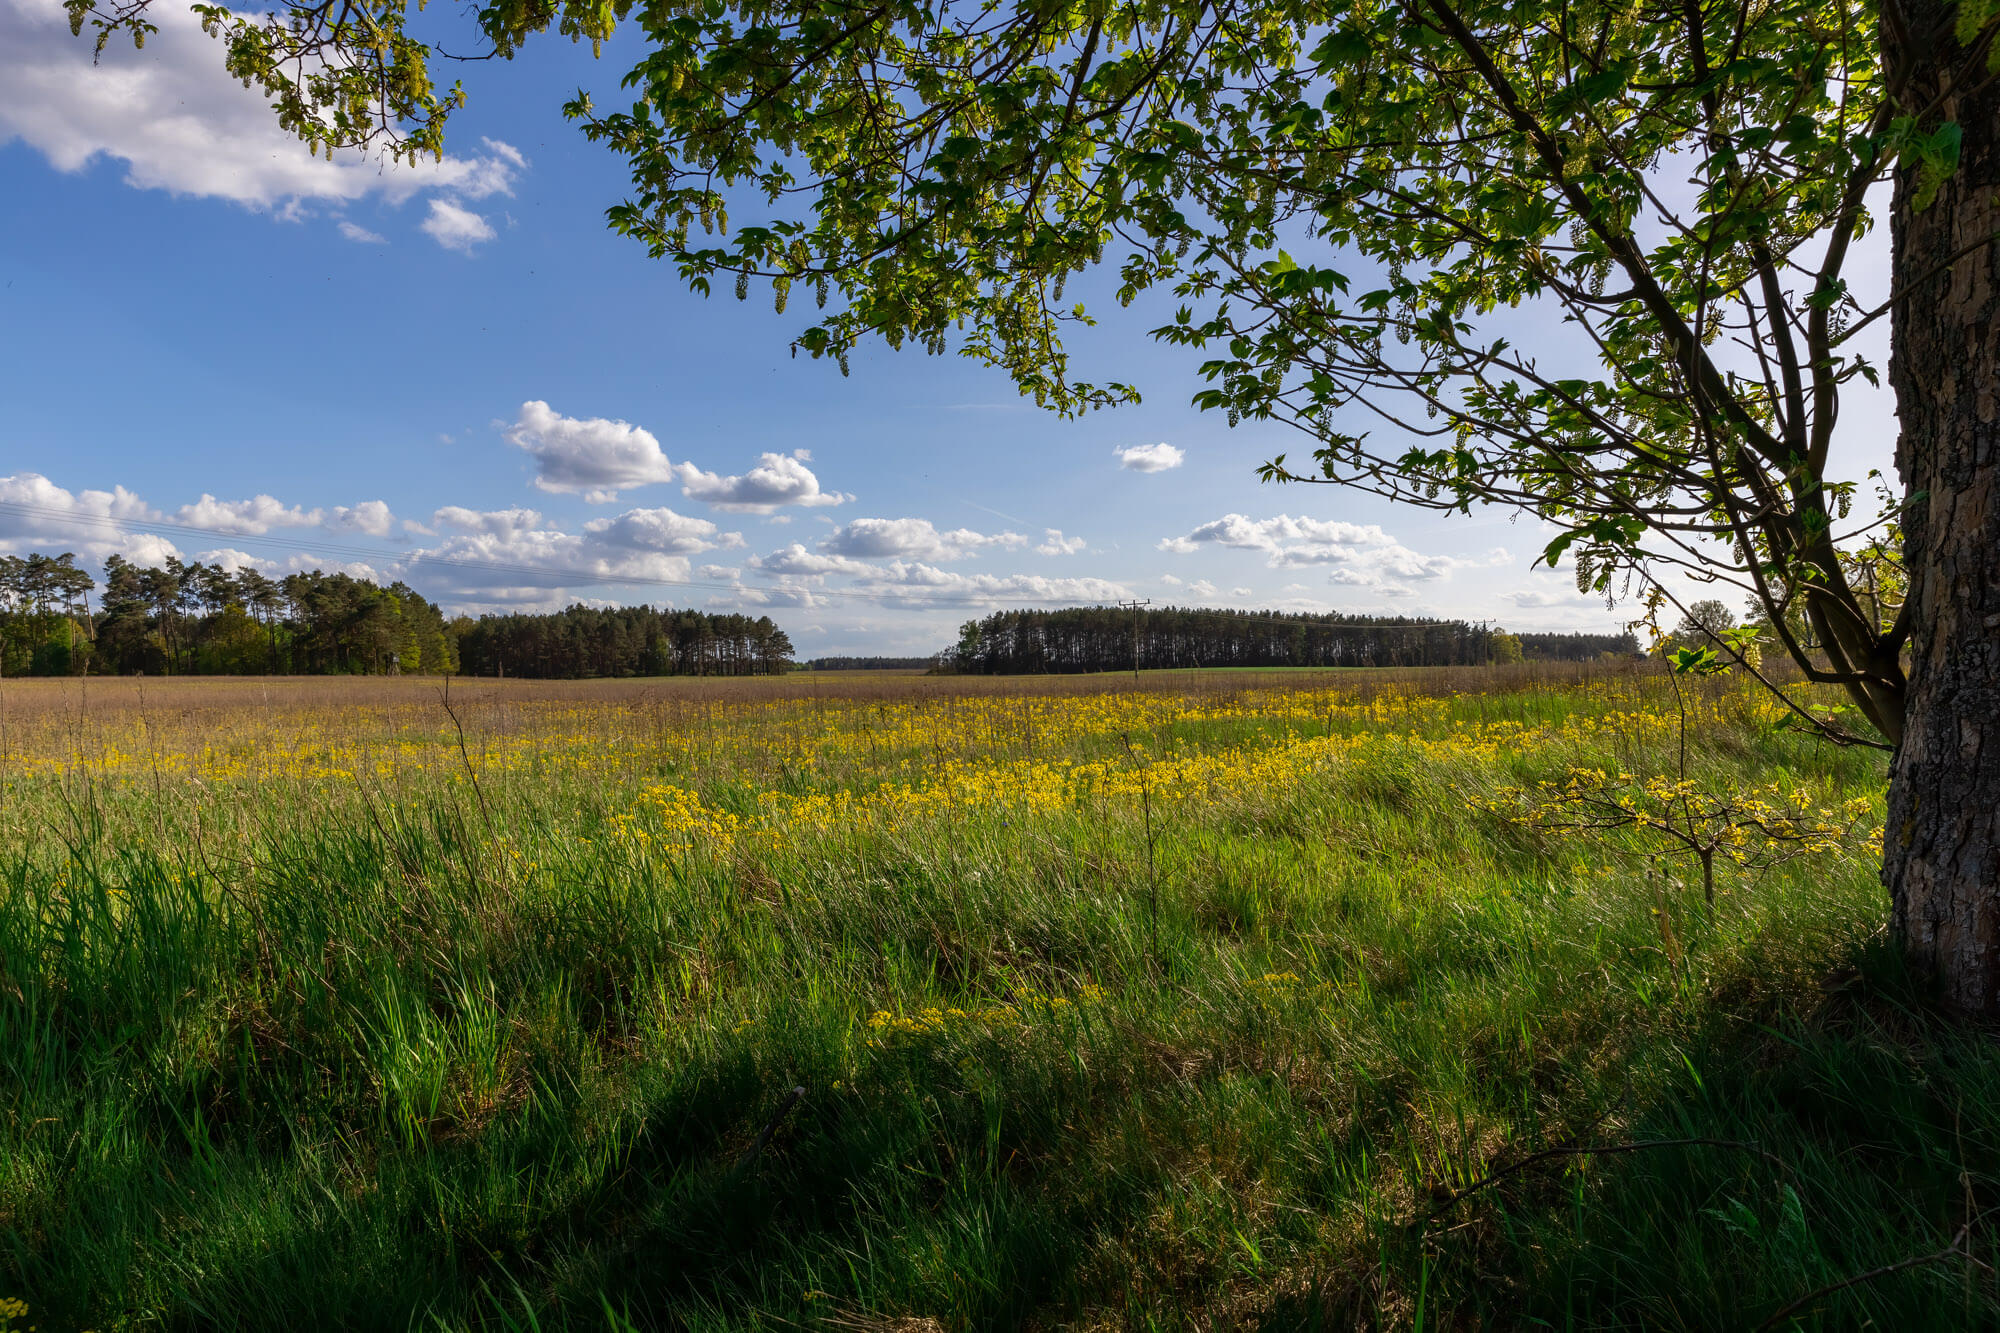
<point>1603,1150</point>
<point>444,696</point>
<point>749,1158</point>
<point>1955,1249</point>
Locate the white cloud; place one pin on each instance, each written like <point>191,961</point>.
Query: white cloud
<point>659,530</point>
<point>456,228</point>
<point>795,561</point>
<point>370,516</point>
<point>911,538</point>
<point>778,479</point>
<point>596,457</point>
<point>1149,457</point>
<point>251,518</point>
<point>37,514</point>
<point>232,559</point>
<point>911,584</point>
<point>1355,555</point>
<point>914,584</point>
<point>1300,540</point>
<point>593,456</point>
<point>498,522</point>
<point>179,123</point>
<point>1054,543</point>
<point>301,562</point>
<point>1201,589</point>
<point>790,595</point>
<point>506,557</point>
<point>360,235</point>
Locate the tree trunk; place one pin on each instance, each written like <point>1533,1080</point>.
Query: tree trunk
<point>1941,847</point>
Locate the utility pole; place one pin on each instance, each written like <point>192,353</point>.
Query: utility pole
<point>1134,608</point>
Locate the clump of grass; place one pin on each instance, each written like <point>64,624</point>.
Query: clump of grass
<point>283,1047</point>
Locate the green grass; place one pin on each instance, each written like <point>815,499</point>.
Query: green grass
<point>291,1056</point>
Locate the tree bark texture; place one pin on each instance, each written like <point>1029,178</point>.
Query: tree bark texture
<point>1941,845</point>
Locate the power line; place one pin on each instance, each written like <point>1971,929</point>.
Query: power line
<point>592,578</point>
<point>1134,607</point>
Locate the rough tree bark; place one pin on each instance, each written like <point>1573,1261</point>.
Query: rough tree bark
<point>1941,846</point>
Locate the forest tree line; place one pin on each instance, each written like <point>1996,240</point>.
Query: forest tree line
<point>1576,647</point>
<point>187,618</point>
<point>872,663</point>
<point>585,641</point>
<point>182,618</point>
<point>1107,638</point>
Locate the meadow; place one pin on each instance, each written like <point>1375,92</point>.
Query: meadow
<point>900,1003</point>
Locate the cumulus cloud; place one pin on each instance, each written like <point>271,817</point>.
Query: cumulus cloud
<point>511,557</point>
<point>360,235</point>
<point>1201,589</point>
<point>1054,543</point>
<point>232,559</point>
<point>1149,457</point>
<point>789,595</point>
<point>99,523</point>
<point>370,516</point>
<point>795,561</point>
<point>907,583</point>
<point>915,584</point>
<point>595,457</point>
<point>1299,541</point>
<point>178,122</point>
<point>35,513</point>
<point>1354,555</point>
<point>778,479</point>
<point>250,518</point>
<point>911,538</point>
<point>660,530</point>
<point>498,522</point>
<point>895,562</point>
<point>455,227</point>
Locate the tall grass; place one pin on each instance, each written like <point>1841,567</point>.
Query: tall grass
<point>1200,1006</point>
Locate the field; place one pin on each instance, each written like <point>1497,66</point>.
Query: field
<point>886,1002</point>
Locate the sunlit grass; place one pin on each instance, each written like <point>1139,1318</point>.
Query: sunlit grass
<point>1186,1005</point>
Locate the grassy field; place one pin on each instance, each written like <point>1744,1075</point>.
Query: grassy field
<point>884,1002</point>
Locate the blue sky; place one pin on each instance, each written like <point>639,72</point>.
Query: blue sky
<point>215,344</point>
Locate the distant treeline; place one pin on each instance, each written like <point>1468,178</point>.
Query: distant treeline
<point>871,663</point>
<point>186,618</point>
<point>1576,647</point>
<point>1102,638</point>
<point>622,641</point>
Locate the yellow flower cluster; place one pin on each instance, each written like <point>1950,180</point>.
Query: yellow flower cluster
<point>825,737</point>
<point>1020,1012</point>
